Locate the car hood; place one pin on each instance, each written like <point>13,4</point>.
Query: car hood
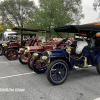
<point>35,48</point>
<point>58,53</point>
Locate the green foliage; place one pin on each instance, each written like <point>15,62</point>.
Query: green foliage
<point>74,8</point>
<point>56,13</point>
<point>49,14</point>
<point>16,12</point>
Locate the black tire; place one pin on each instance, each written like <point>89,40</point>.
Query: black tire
<point>57,72</point>
<point>29,62</point>
<point>98,67</point>
<point>20,60</point>
<point>10,51</point>
<point>1,50</point>
<point>38,70</point>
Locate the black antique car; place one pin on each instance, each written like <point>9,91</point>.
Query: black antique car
<point>81,54</point>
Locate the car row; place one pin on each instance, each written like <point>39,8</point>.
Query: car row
<point>60,57</point>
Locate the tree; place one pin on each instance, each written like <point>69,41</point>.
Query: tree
<point>16,12</point>
<point>55,13</point>
<point>96,6</point>
<point>3,27</point>
<point>74,9</point>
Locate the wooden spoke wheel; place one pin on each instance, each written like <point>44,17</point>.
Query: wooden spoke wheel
<point>30,62</point>
<point>11,54</point>
<point>23,59</point>
<point>38,67</point>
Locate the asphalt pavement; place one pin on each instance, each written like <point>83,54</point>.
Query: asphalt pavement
<point>18,82</point>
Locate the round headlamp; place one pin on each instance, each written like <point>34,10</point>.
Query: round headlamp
<point>4,45</point>
<point>26,51</point>
<point>35,55</point>
<point>21,50</point>
<point>43,58</point>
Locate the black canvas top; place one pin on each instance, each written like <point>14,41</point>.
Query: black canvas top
<point>85,29</point>
<point>33,30</point>
<point>13,34</point>
<point>30,34</point>
<point>81,28</point>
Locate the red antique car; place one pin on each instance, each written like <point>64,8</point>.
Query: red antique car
<point>36,48</point>
<point>11,48</point>
<point>4,43</point>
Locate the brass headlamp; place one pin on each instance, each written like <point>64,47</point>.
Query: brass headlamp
<point>26,51</point>
<point>4,45</point>
<point>35,55</point>
<point>21,50</point>
<point>43,58</point>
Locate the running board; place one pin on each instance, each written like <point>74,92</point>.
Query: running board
<point>77,68</point>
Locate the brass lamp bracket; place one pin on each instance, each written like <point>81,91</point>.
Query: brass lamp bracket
<point>85,61</point>
<point>69,51</point>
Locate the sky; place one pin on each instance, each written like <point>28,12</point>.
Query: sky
<point>90,15</point>
<point>88,11</point>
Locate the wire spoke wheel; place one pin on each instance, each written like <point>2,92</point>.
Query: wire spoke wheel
<point>57,72</point>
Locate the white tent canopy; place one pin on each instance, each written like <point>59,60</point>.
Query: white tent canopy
<point>8,31</point>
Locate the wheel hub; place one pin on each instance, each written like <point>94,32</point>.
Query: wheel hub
<point>59,72</point>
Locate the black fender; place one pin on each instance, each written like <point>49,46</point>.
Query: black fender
<point>63,58</point>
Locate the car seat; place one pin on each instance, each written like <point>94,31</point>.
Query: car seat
<point>80,46</point>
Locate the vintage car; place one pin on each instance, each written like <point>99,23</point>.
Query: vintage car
<point>81,54</point>
<point>11,48</point>
<point>25,55</point>
<point>26,52</point>
<point>6,42</point>
<point>51,45</point>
